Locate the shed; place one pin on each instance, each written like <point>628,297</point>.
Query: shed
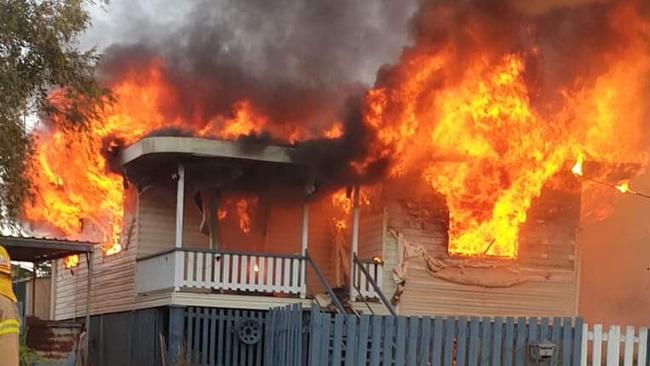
<point>40,249</point>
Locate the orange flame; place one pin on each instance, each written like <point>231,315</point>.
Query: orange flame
<point>480,139</point>
<point>71,261</point>
<point>222,213</point>
<point>244,206</point>
<point>624,187</point>
<point>78,196</point>
<point>342,205</point>
<point>335,131</point>
<point>577,167</point>
<point>244,122</point>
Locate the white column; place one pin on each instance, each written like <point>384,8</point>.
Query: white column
<point>304,241</point>
<point>355,239</point>
<point>305,227</point>
<point>180,199</point>
<point>53,276</point>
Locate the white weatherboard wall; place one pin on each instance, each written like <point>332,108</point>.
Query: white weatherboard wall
<point>157,222</point>
<point>546,265</point>
<point>372,234</point>
<point>615,346</point>
<point>320,247</point>
<point>113,287</point>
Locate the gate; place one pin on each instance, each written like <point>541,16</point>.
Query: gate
<point>223,337</point>
<point>232,337</point>
<point>283,342</point>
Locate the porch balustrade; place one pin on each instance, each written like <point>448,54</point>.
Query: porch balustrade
<point>222,270</point>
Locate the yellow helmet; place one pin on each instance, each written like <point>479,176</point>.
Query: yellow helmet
<point>5,262</point>
<point>5,275</point>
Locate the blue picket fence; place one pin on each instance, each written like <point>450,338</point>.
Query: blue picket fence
<point>337,339</point>
<point>290,336</point>
<point>283,337</point>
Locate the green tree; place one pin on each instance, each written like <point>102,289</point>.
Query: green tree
<point>39,53</point>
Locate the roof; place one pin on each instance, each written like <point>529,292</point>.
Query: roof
<point>34,249</point>
<point>240,165</point>
<point>208,148</point>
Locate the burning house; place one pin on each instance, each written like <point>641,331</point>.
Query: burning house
<point>197,232</point>
<point>456,184</point>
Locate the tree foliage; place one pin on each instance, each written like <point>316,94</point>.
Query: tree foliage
<point>39,53</point>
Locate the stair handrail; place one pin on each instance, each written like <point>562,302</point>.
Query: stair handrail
<point>324,283</point>
<point>363,298</point>
<point>372,281</point>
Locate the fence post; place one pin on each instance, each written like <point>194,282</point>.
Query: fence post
<point>175,334</point>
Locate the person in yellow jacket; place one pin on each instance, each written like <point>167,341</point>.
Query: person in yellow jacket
<point>9,323</point>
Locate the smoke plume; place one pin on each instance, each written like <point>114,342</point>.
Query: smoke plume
<point>295,61</point>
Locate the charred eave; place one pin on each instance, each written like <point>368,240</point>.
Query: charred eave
<point>209,148</point>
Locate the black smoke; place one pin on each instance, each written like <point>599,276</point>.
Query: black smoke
<point>295,60</point>
<point>310,62</point>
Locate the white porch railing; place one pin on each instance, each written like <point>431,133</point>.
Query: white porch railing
<point>155,273</point>
<point>363,284</point>
<point>184,268</point>
<point>627,349</point>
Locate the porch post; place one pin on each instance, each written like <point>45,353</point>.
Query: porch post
<point>304,242</point>
<point>355,239</point>
<point>175,334</point>
<point>89,272</point>
<point>34,264</point>
<point>180,199</point>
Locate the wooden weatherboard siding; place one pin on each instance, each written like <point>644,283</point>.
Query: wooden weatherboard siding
<point>157,222</point>
<point>372,234</point>
<point>547,259</point>
<point>113,287</point>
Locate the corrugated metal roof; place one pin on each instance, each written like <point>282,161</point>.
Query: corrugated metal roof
<point>50,238</point>
<point>38,249</point>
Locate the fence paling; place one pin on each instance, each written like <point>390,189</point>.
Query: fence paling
<point>374,340</point>
<point>613,342</point>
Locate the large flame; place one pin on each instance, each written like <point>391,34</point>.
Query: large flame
<point>478,137</point>
<point>342,204</point>
<point>76,193</point>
